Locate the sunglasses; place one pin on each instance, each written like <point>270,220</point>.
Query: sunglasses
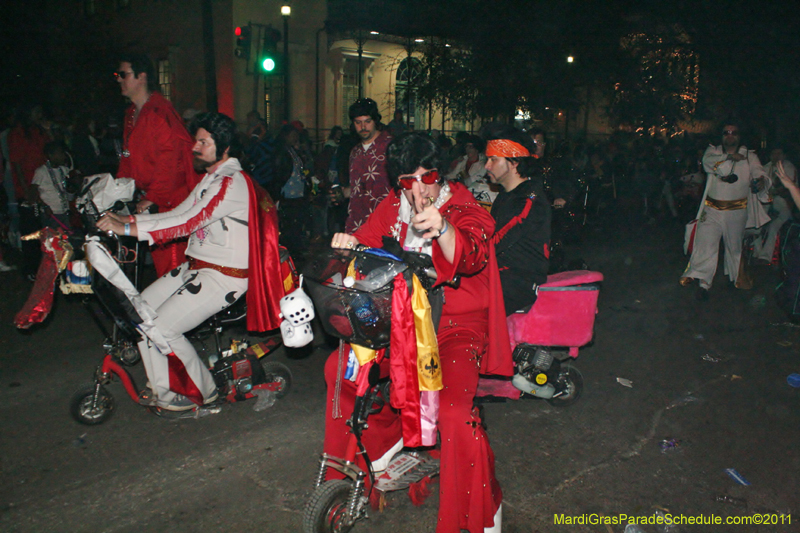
<point>429,178</point>
<point>731,132</point>
<point>121,74</point>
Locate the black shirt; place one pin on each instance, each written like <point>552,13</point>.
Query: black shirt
<point>523,252</point>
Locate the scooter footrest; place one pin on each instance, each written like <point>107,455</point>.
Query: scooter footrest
<point>406,468</point>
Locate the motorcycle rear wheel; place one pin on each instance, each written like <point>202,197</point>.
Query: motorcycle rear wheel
<point>275,371</point>
<point>571,380</point>
<point>80,406</point>
<point>326,511</point>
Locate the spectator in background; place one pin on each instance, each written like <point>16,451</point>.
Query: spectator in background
<point>50,186</point>
<point>85,146</point>
<point>291,186</point>
<point>470,167</point>
<point>369,182</point>
<point>261,159</point>
<point>397,127</point>
<point>781,209</point>
<point>26,142</point>
<point>256,128</point>
<point>188,116</point>
<point>327,172</point>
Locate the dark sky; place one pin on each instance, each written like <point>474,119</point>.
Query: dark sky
<point>748,50</point>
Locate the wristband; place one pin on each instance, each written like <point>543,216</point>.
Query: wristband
<point>444,229</point>
<point>127,230</point>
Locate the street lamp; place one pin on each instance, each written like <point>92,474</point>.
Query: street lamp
<point>570,59</point>
<point>286,12</point>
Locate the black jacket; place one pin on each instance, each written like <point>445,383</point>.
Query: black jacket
<point>523,252</point>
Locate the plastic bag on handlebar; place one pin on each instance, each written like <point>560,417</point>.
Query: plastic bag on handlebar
<point>361,317</point>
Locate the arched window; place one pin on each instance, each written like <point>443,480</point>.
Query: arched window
<point>409,76</point>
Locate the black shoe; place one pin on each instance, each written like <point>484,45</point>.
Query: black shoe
<point>701,294</point>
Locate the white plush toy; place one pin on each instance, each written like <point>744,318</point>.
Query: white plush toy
<point>297,311</point>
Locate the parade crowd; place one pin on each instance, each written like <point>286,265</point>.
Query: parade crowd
<point>491,209</point>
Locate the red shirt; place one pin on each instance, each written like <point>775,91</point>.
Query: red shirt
<point>160,153</point>
<point>28,152</point>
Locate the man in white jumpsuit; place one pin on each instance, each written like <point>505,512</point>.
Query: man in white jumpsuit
<point>734,173</point>
<point>781,204</point>
<point>215,216</point>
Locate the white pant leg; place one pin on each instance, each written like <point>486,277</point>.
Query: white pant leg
<point>155,295</point>
<point>202,294</point>
<point>764,249</point>
<point>732,235</point>
<point>705,253</point>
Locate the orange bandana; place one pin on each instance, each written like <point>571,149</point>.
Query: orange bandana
<point>506,148</point>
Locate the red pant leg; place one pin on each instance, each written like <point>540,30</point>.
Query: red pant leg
<point>469,493</point>
<point>384,427</point>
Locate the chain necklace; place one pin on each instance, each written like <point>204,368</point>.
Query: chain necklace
<point>129,127</point>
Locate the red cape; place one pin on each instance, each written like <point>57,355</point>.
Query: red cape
<point>265,283</point>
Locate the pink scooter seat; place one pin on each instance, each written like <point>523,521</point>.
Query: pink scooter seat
<point>563,314</point>
<point>572,277</point>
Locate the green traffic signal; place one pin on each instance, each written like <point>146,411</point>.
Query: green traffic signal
<point>268,64</point>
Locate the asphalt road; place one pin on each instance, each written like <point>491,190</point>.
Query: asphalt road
<point>596,460</point>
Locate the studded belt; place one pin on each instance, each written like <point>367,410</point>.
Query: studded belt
<point>197,264</point>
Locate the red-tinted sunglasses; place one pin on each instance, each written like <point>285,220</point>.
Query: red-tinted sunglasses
<point>429,178</point>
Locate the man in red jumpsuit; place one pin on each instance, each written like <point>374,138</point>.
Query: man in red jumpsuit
<point>156,150</point>
<point>426,214</point>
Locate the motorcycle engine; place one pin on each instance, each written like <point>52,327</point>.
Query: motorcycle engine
<point>238,373</point>
<point>535,363</point>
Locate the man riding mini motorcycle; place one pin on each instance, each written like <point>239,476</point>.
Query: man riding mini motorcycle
<point>428,215</point>
<point>233,249</point>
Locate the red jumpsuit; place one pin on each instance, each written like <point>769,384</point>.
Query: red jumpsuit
<point>469,493</point>
<point>157,154</point>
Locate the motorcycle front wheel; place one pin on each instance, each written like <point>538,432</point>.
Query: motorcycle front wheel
<point>83,409</point>
<point>570,383</point>
<point>326,511</point>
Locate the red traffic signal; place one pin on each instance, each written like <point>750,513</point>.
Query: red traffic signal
<point>243,39</point>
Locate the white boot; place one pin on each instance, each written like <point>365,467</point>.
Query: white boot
<point>498,522</point>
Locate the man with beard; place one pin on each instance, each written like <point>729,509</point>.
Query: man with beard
<point>369,181</point>
<point>522,216</point>
<point>233,235</point>
<point>156,150</point>
<point>735,190</point>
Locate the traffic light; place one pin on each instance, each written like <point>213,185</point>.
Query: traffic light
<point>271,60</point>
<point>243,36</point>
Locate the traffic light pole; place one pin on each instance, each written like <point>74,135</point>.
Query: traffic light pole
<point>286,68</point>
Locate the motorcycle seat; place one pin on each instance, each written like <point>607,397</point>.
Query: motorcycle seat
<point>572,278</point>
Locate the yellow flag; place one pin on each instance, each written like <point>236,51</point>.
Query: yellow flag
<point>363,354</point>
<point>429,368</point>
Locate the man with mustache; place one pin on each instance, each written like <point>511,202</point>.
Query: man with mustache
<point>369,181</point>
<point>232,227</point>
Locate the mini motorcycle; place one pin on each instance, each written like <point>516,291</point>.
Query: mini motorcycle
<point>240,373</point>
<point>362,317</point>
<point>546,338</point>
